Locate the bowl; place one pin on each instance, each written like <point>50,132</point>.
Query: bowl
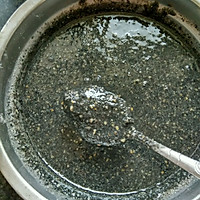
<point>26,171</point>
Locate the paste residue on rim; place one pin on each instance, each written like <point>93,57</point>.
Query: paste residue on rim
<point>132,57</point>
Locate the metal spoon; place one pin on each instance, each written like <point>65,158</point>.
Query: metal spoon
<point>103,118</point>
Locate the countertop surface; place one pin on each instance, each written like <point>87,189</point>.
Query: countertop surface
<point>7,7</point>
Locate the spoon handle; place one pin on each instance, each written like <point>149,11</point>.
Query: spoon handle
<point>190,165</point>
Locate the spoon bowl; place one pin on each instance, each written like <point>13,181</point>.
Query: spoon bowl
<point>101,117</point>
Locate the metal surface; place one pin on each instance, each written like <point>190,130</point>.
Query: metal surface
<point>26,191</point>
<point>185,162</point>
<point>13,38</point>
<point>6,9</point>
<point>17,18</point>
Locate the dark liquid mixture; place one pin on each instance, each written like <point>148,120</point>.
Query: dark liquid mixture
<point>134,58</point>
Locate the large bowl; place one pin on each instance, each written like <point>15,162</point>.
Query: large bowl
<point>36,15</point>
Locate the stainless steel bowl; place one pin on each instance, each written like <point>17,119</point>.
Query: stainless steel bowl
<point>34,16</point>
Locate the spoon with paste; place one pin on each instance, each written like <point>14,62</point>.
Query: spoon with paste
<point>104,119</point>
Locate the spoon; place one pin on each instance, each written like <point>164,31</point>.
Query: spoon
<point>103,118</point>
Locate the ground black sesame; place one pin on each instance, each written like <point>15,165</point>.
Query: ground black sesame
<point>132,57</point>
